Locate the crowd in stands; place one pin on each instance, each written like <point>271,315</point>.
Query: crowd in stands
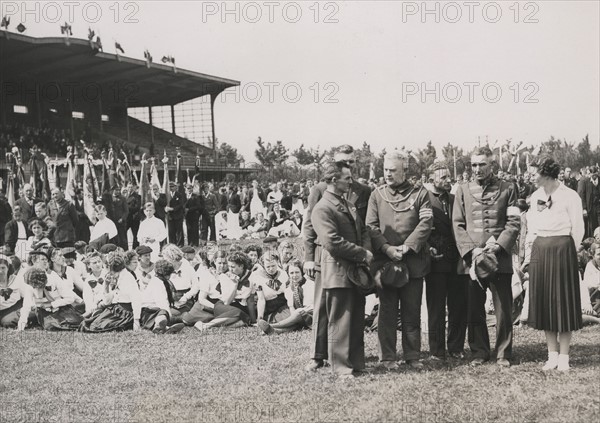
<point>164,265</point>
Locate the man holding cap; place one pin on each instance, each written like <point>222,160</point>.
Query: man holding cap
<point>400,219</point>
<point>486,220</point>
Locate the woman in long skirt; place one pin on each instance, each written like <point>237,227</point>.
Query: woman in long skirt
<point>228,292</point>
<point>157,299</point>
<point>121,307</point>
<point>556,226</point>
<point>53,304</point>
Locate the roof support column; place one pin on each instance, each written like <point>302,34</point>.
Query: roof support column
<point>38,105</point>
<point>150,121</point>
<point>70,100</point>
<point>100,111</point>
<point>127,122</point>
<point>213,98</point>
<point>173,119</point>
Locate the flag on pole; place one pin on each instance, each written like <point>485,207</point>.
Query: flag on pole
<point>166,190</point>
<point>154,180</point>
<point>89,189</point>
<point>66,29</point>
<point>148,58</point>
<point>144,184</point>
<point>5,22</point>
<point>118,48</point>
<point>10,191</point>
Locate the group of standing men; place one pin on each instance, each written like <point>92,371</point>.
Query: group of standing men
<point>408,236</point>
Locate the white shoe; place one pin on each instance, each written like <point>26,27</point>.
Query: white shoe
<point>563,362</point>
<point>552,362</point>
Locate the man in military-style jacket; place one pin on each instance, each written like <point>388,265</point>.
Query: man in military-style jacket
<point>400,219</point>
<point>483,209</point>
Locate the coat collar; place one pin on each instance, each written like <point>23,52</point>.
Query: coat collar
<point>401,189</point>
<point>343,206</point>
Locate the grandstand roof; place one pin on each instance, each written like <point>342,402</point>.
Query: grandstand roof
<point>52,60</point>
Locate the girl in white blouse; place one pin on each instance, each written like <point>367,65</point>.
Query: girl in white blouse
<point>234,287</point>
<point>555,227</point>
<point>122,304</point>
<point>157,298</point>
<point>52,302</point>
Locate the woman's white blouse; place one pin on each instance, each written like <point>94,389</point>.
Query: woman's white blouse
<point>127,291</point>
<point>563,217</point>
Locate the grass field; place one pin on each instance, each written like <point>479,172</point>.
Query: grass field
<point>238,375</point>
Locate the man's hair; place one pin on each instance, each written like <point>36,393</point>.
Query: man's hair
<point>437,166</point>
<point>333,170</point>
<point>399,156</point>
<point>345,149</point>
<point>483,151</point>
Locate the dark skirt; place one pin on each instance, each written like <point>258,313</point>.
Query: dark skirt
<point>554,296</point>
<point>65,318</point>
<point>276,309</point>
<point>198,314</point>
<point>114,317</point>
<point>148,317</point>
<point>177,313</point>
<point>9,317</point>
<point>235,310</point>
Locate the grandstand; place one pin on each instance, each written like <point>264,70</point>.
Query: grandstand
<point>56,91</point>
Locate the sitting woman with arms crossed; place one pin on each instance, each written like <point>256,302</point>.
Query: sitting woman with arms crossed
<point>234,287</point>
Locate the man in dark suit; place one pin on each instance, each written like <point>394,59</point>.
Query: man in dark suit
<point>569,181</point>
<point>277,217</point>
<point>16,232</point>
<point>121,214</point>
<point>287,200</point>
<point>211,207</point>
<point>221,195</point>
<point>359,196</point>
<point>134,204</point>
<point>175,212</point>
<point>588,191</point>
<point>234,203</point>
<point>65,217</point>
<point>5,214</point>
<point>486,208</point>
<point>160,202</point>
<point>400,219</point>
<point>442,284</point>
<point>27,203</point>
<point>342,243</point>
<point>193,209</point>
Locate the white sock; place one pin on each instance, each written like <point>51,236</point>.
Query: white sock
<point>563,362</point>
<point>552,362</point>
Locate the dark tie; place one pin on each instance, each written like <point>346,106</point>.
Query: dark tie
<point>298,296</point>
<point>541,204</point>
<point>274,284</point>
<point>6,293</point>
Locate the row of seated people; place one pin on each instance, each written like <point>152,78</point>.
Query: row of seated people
<point>113,290</point>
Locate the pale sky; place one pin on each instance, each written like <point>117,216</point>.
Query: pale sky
<point>365,59</point>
